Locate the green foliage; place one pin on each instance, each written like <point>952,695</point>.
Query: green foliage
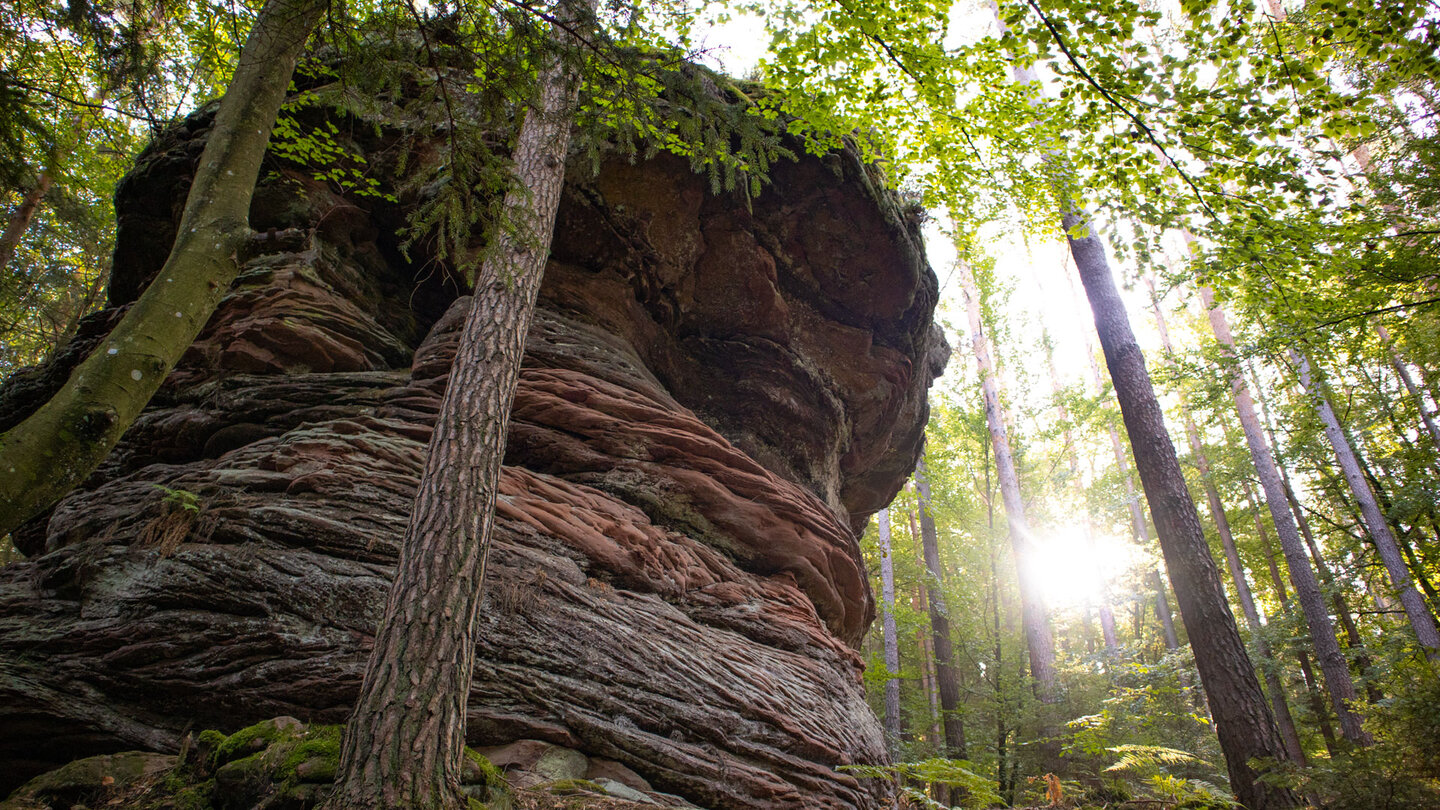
<point>181,499</point>
<point>956,773</point>
<point>1147,757</point>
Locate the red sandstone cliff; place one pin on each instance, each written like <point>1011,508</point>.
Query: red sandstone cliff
<point>715,396</point>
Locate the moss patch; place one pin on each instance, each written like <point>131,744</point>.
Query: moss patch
<point>258,737</point>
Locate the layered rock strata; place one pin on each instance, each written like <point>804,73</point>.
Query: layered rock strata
<point>715,397</point>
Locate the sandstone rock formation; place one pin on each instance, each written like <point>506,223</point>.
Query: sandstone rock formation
<point>715,398</point>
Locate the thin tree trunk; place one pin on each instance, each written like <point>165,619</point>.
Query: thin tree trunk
<point>1333,666</point>
<point>1404,538</point>
<point>1420,620</point>
<point>927,648</point>
<point>1243,721</point>
<point>945,679</point>
<point>1034,617</point>
<point>58,446</point>
<point>405,741</point>
<point>1001,708</point>
<point>21,218</point>
<point>892,642</point>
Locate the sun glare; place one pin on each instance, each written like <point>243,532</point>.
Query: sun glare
<point>1073,570</point>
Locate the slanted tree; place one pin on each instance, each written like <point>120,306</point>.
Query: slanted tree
<point>1278,700</point>
<point>1139,527</point>
<point>1421,622</point>
<point>1333,666</point>
<point>22,216</point>
<point>404,744</point>
<point>1243,720</point>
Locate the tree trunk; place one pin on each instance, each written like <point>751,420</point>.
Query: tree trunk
<point>58,446</point>
<point>1243,721</point>
<point>21,218</point>
<point>1337,597</point>
<point>1420,621</point>
<point>892,642</point>
<point>1034,617</point>
<point>1333,665</point>
<point>945,680</point>
<point>927,648</point>
<point>404,744</point>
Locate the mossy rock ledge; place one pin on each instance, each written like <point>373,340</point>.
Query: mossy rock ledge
<point>283,764</point>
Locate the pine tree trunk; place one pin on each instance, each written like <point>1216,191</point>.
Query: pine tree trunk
<point>404,744</point>
<point>1332,661</point>
<point>946,682</point>
<point>892,642</point>
<point>21,218</point>
<point>1243,721</point>
<point>1039,640</point>
<point>58,446</point>
<point>1385,544</point>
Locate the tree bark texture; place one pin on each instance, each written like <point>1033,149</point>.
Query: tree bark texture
<point>946,681</point>
<point>21,218</point>
<point>1333,666</point>
<point>892,642</point>
<point>1379,529</point>
<point>405,742</point>
<point>1035,618</point>
<point>57,447</point>
<point>1243,721</point>
<point>1269,667</point>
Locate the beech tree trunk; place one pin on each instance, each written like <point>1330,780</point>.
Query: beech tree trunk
<point>1243,721</point>
<point>1333,666</point>
<point>1385,544</point>
<point>404,744</point>
<point>1035,619</point>
<point>945,680</point>
<point>57,447</point>
<point>21,218</point>
<point>1278,701</point>
<point>892,642</point>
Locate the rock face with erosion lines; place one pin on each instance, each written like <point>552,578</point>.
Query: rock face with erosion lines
<point>716,396</point>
